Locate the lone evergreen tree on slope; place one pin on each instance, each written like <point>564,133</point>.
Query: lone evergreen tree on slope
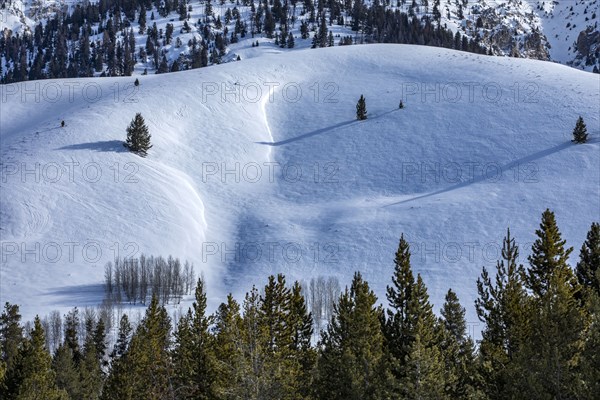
<point>138,137</point>
<point>580,134</point>
<point>361,109</point>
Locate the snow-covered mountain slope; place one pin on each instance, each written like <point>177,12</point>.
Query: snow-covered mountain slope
<point>260,167</point>
<point>14,17</point>
<point>564,31</point>
<point>572,31</point>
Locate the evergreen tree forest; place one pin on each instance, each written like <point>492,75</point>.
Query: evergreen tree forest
<point>99,38</point>
<point>540,339</point>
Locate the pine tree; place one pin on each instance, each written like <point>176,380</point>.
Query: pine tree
<point>67,375</point>
<point>557,323</point>
<point>288,331</point>
<point>399,295</point>
<point>163,66</point>
<point>548,255</point>
<point>38,377</point>
<point>590,356</point>
<point>11,335</point>
<point>2,377</point>
<point>193,356</point>
<point>322,33</point>
<point>315,42</point>
<point>11,344</point>
<point>424,378</point>
<point>352,363</point>
<point>149,353</point>
<point>118,383</point>
<point>230,362</point>
<point>304,356</point>
<point>269,24</point>
<point>183,364</point>
<point>274,306</point>
<point>580,134</point>
<point>123,337</point>
<point>454,317</point>
<point>91,376</point>
<point>588,267</point>
<point>361,109</point>
<point>90,372</point>
<point>412,333</point>
<point>138,137</point>
<point>423,374</point>
<point>99,339</point>
<point>145,370</point>
<point>280,367</point>
<point>142,19</point>
<point>550,359</point>
<point>504,308</point>
<point>304,30</point>
<point>71,324</point>
<point>458,351</point>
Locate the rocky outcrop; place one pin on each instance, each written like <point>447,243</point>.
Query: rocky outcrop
<point>588,48</point>
<point>508,32</point>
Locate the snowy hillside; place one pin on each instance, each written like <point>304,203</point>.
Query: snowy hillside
<point>259,167</point>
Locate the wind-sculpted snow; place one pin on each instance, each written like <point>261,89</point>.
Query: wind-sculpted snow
<point>259,167</point>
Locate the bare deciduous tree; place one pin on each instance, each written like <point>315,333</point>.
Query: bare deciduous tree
<point>320,295</point>
<point>55,331</point>
<point>136,279</point>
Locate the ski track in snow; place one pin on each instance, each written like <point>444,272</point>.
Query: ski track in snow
<point>37,220</point>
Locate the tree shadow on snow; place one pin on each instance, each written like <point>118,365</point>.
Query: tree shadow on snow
<point>328,129</point>
<point>47,130</point>
<point>102,146</point>
<point>316,132</point>
<point>76,295</point>
<point>513,164</point>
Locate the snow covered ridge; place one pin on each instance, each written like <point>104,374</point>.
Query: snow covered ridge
<point>260,167</point>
